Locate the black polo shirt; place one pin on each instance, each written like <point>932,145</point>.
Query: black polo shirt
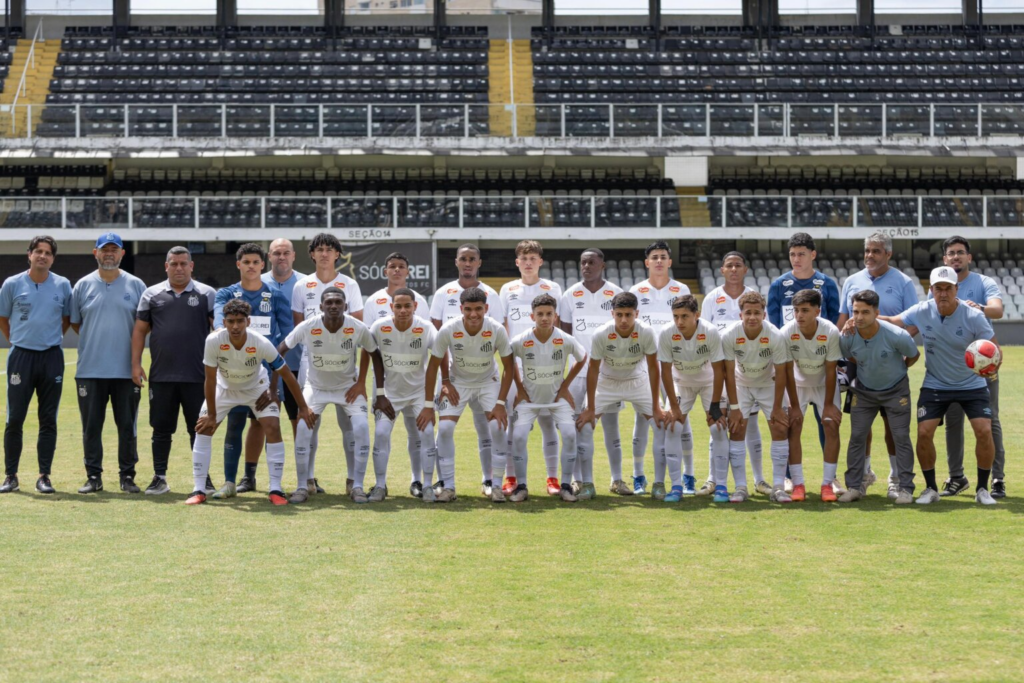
<point>180,324</point>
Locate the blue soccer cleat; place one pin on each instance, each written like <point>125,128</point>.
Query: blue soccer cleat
<point>721,495</point>
<point>689,485</point>
<point>675,495</point>
<point>639,485</point>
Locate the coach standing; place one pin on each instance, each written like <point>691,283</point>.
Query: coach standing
<point>103,306</point>
<point>35,310</point>
<point>178,316</point>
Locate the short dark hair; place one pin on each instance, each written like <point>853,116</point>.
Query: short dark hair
<point>807,296</point>
<point>737,254</point>
<point>687,301</point>
<point>955,239</point>
<point>802,239</point>
<point>593,250</point>
<point>325,239</point>
<point>658,245</point>
<point>43,239</point>
<point>237,307</point>
<point>866,296</point>
<point>472,247</point>
<point>751,297</point>
<point>529,247</point>
<point>473,295</point>
<point>404,291</point>
<point>543,300</point>
<point>333,290</point>
<point>251,248</point>
<point>395,255</point>
<point>625,300</point>
<point>178,251</point>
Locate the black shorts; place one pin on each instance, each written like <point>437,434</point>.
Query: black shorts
<point>290,405</point>
<point>932,404</point>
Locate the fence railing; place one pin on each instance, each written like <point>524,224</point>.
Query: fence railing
<point>558,211</point>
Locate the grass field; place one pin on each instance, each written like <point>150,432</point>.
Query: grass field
<point>119,587</point>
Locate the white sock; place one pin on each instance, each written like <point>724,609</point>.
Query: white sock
<point>721,457</point>
<point>549,438</point>
<point>275,465</point>
<point>737,458</point>
<point>867,463</point>
<point>796,473</point>
<point>672,458</point>
<point>446,452</point>
<point>661,437</point>
<point>415,445</point>
<point>499,452</point>
<point>893,470</point>
<point>202,451</point>
<point>613,445</point>
<point>520,455</point>
<point>711,458</point>
<point>753,438</point>
<point>483,443</point>
<point>382,450</point>
<point>360,430</point>
<point>584,469</point>
<point>830,473</point>
<point>568,453</point>
<point>303,436</point>
<point>314,442</point>
<point>686,439</point>
<point>345,424</point>
<point>780,458</point>
<point>641,429</point>
<point>428,455</point>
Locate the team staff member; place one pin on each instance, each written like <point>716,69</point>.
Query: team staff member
<point>177,314</point>
<point>35,310</point>
<point>103,306</point>
<point>281,278</point>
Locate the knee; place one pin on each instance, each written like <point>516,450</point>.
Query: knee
<point>382,430</point>
<point>272,432</point>
<point>983,429</point>
<point>446,429</point>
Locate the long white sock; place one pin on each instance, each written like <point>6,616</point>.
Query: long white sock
<point>753,438</point>
<point>428,454</point>
<point>737,458</point>
<point>613,445</point>
<point>483,443</point>
<point>584,468</point>
<point>686,440</point>
<point>894,476</point>
<point>499,452</point>
<point>202,451</point>
<point>711,458</point>
<point>314,442</point>
<point>446,452</point>
<point>721,446</point>
<point>549,437</point>
<point>348,443</point>
<point>510,464</point>
<point>780,459</point>
<point>796,473</point>
<point>671,458</point>
<point>661,437</point>
<point>867,463</point>
<point>303,436</point>
<point>382,450</point>
<point>641,429</point>
<point>360,430</point>
<point>520,454</point>
<point>415,444</point>
<point>275,465</point>
<point>830,473</point>
<point>568,455</point>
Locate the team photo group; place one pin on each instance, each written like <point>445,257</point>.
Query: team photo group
<point>806,357</point>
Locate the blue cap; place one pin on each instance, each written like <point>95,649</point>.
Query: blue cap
<point>109,238</point>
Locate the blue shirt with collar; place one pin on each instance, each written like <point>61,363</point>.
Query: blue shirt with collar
<point>36,311</point>
<point>270,311</point>
<point>896,291</point>
<point>880,363</point>
<point>780,297</point>
<point>977,288</point>
<point>945,341</point>
<point>294,356</point>
<point>106,313</point>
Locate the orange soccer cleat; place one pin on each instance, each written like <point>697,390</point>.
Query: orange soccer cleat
<point>509,485</point>
<point>554,486</point>
<point>799,494</point>
<point>197,498</point>
<point>277,498</point>
<point>828,495</point>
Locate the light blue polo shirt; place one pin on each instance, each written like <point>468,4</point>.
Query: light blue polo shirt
<point>294,356</point>
<point>106,313</point>
<point>896,292</point>
<point>945,341</point>
<point>977,288</point>
<point>880,363</point>
<point>35,310</point>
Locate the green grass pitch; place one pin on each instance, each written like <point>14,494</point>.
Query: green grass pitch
<point>118,587</point>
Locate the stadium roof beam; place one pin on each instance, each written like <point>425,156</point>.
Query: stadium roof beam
<point>654,13</point>
<point>762,14</point>
<point>440,15</point>
<point>866,13</point>
<point>547,13</point>
<point>121,17</point>
<point>334,16</point>
<point>227,13</point>
<point>14,16</point>
<point>972,12</point>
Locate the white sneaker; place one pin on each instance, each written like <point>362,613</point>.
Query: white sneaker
<point>707,488</point>
<point>779,495</point>
<point>486,489</point>
<point>902,497</point>
<point>928,497</point>
<point>984,497</point>
<point>893,492</point>
<point>870,478</point>
<point>740,495</point>
<point>428,494</point>
<point>838,488</point>
<point>851,496</point>
<point>764,488</point>
<point>789,485</point>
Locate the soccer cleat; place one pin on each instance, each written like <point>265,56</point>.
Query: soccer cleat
<point>438,487</point>
<point>196,498</point>
<point>358,495</point>
<point>954,486</point>
<point>764,488</point>
<point>851,496</point>
<point>721,495</point>
<point>428,494</point>
<point>92,485</point>
<point>827,494</point>
<point>799,494</point>
<point>10,484</point>
<point>618,486</point>
<point>707,488</point>
<point>689,485</point>
<point>675,495</point>
<point>869,479</point>
<point>316,487</point>
<point>984,497</point>
<point>779,495</point>
<point>378,494</point>
<point>349,486</point>
<point>838,488</point>
<point>903,497</point>
<point>508,485</point>
<point>554,486</point>
<point>928,497</point>
<point>245,485</point>
<point>520,494</point>
<point>298,496</point>
<point>486,488</point>
<point>587,491</point>
<point>128,485</point>
<point>158,487</point>
<point>210,488</point>
<point>228,490</point>
<point>311,487</point>
<point>893,491</point>
<point>740,495</point>
<point>788,487</point>
<point>658,491</point>
<point>446,496</point>
<point>998,488</point>
<point>639,485</point>
<point>43,485</point>
<point>576,487</point>
<point>277,498</point>
<point>496,495</point>
<point>566,494</point>
<point>416,489</point>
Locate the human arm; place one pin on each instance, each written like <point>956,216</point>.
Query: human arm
<point>426,416</point>
<point>831,412</point>
<point>305,414</point>
<point>654,378</point>
<point>498,412</point>
<point>208,423</point>
<point>574,371</point>
<point>669,387</point>
<point>735,416</point>
<point>587,415</point>
<point>139,333</point>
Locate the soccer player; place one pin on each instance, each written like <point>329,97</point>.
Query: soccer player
<point>177,315</point>
<point>721,307</point>
<point>271,315</point>
<point>617,375</point>
<point>472,379</point>
<point>332,341</point>
<point>655,296</point>
<point>404,340</point>
<point>103,306</point>
<point>325,250</point>
<point>586,306</point>
<point>35,312</point>
<point>378,306</point>
<point>983,293</point>
<point>756,377</point>
<point>896,293</point>
<point>948,327</point>
<point>542,389</point>
<point>692,366</point>
<point>235,375</point>
<point>882,353</point>
<point>813,356</point>
<point>282,278</point>
<point>517,299</point>
<point>445,307</point>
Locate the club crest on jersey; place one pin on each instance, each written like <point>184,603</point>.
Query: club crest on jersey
<point>558,342</point>
<point>193,301</point>
<point>677,337</point>
<point>417,330</point>
<point>381,302</point>
<point>225,347</point>
<point>457,335</point>
<point>720,300</point>
<point>701,337</point>
<point>487,334</point>
<point>528,343</point>
<point>316,331</point>
<point>795,337</point>
<point>822,338</point>
<point>349,330</point>
<point>264,306</point>
<point>578,293</point>
<point>765,340</point>
<point>385,329</point>
<point>250,349</point>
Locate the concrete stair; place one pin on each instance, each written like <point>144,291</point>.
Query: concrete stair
<point>506,82</point>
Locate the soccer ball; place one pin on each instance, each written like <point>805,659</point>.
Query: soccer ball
<point>983,357</point>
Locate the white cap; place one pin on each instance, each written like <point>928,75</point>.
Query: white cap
<point>944,274</point>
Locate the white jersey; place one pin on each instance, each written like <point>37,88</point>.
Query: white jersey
<point>810,355</point>
<point>755,358</point>
<point>543,363</point>
<point>720,308</point>
<point>586,311</point>
<point>691,359</point>
<point>378,307</point>
<point>331,356</point>
<point>307,291</point>
<point>472,356</point>
<point>405,356</point>
<point>655,305</point>
<point>517,302</point>
<point>623,359</point>
<point>446,305</point>
<point>240,369</point>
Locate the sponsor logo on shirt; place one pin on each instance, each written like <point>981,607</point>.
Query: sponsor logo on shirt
<point>381,302</point>
<point>720,300</point>
<point>741,340</point>
<point>349,330</point>
<point>385,329</point>
<point>487,334</point>
<point>677,337</point>
<point>674,290</point>
<point>250,349</point>
<point>528,343</point>
<point>822,338</point>
<point>513,288</point>
<point>225,347</point>
<point>644,290</point>
<point>765,340</point>
<point>558,342</point>
<point>457,335</point>
<point>417,330</point>
<point>607,292</point>
<point>310,285</point>
<point>545,287</point>
<point>612,336</point>
<point>339,285</point>
<point>451,290</point>
<point>578,293</point>
<point>795,337</point>
<point>636,335</point>
<point>701,337</point>
<point>316,331</point>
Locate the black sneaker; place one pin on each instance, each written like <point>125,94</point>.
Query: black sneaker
<point>128,485</point>
<point>158,487</point>
<point>438,487</point>
<point>998,488</point>
<point>954,486</point>
<point>43,485</point>
<point>10,484</point>
<point>210,488</point>
<point>92,485</point>
<point>316,484</point>
<point>245,485</point>
<point>416,489</point>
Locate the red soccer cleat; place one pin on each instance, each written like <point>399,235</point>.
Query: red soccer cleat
<point>827,494</point>
<point>197,498</point>
<point>554,486</point>
<point>509,485</point>
<point>277,498</point>
<point>799,494</point>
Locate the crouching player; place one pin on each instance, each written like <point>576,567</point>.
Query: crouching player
<point>470,379</point>
<point>235,376</point>
<point>332,340</point>
<point>692,366</point>
<point>404,340</point>
<point>814,353</point>
<point>543,390</point>
<point>756,379</point>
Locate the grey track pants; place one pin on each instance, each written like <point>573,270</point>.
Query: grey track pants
<point>864,407</point>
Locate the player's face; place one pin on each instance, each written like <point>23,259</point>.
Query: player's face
<point>468,263</point>
<point>325,256</point>
<point>658,262</point>
<point>875,257</point>
<point>806,314</point>
<point>956,257</point>
<point>624,318</point>
<point>236,325</point>
<point>685,320</point>
<point>734,270</point>
<point>108,257</point>
<point>752,316</point>
<point>591,267</point>
<point>403,307</point>
<point>801,258</point>
<point>41,258</point>
<point>544,317</point>
<point>529,264</point>
<point>282,256</point>
<point>179,270</point>
<point>333,307</point>
<point>250,267</point>
<point>864,316</point>
<point>945,297</point>
<point>397,272</point>
<point>473,312</point>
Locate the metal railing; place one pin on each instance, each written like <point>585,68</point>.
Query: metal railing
<point>30,59</point>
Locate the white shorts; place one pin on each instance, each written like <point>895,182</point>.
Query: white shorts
<point>318,400</point>
<point>752,399</point>
<point>479,399</point>
<point>227,400</point>
<point>559,411</point>
<point>688,396</point>
<point>410,406</point>
<point>612,394</point>
<point>816,395</point>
